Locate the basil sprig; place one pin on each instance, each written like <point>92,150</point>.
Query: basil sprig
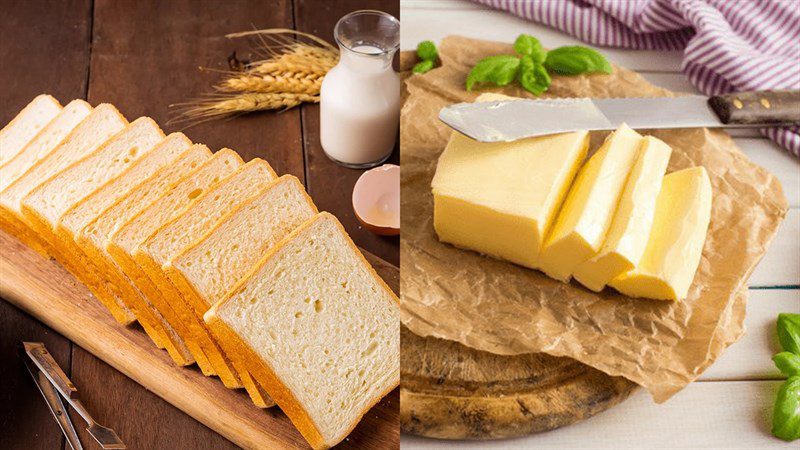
<point>427,54</point>
<point>530,66</point>
<point>786,414</point>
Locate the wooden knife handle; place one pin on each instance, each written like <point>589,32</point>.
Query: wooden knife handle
<point>768,107</point>
<point>41,357</point>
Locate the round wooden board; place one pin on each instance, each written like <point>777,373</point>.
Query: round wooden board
<point>450,391</point>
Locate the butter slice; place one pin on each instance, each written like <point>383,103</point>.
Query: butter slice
<point>587,213</point>
<point>630,229</point>
<point>499,199</point>
<point>673,252</point>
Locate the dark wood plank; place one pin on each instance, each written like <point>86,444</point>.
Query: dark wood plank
<point>329,184</point>
<point>140,417</point>
<point>146,55</point>
<point>44,47</point>
<point>25,420</point>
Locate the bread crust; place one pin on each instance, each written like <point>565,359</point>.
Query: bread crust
<point>74,265</point>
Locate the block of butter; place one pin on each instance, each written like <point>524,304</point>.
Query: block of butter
<point>586,215</point>
<point>675,246</point>
<point>499,199</point>
<point>630,229</point>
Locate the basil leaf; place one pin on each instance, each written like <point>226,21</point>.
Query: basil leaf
<point>500,70</point>
<point>527,45</point>
<point>575,60</point>
<point>786,415</point>
<point>788,363</point>
<point>789,332</point>
<point>426,51</point>
<point>423,66</point>
<point>532,76</point>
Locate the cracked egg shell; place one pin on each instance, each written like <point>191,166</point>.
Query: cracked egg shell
<point>376,200</point>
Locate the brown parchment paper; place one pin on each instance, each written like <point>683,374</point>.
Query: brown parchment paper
<point>498,307</point>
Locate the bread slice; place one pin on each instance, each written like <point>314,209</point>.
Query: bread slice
<point>43,207</point>
<point>26,125</point>
<point>318,328</point>
<point>92,240</point>
<point>122,242</point>
<point>174,235</point>
<point>103,122</point>
<point>170,151</point>
<point>207,269</point>
<point>44,143</point>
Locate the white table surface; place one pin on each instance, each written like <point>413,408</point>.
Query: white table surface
<point>731,405</point>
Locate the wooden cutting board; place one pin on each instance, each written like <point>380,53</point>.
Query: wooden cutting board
<point>450,391</point>
<point>45,290</point>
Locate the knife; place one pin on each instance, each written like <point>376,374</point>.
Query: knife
<point>510,120</point>
<point>53,400</point>
<point>50,371</point>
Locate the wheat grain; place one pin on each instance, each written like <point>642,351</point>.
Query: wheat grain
<point>286,83</point>
<point>299,61</point>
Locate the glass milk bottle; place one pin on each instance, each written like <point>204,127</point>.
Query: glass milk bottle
<point>360,97</point>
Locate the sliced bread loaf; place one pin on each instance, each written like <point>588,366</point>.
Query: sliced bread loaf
<point>92,240</point>
<point>103,122</point>
<point>26,125</point>
<point>318,328</point>
<point>174,235</point>
<point>122,242</point>
<point>170,151</point>
<point>207,269</point>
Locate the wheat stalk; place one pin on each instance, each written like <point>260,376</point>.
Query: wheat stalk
<point>291,73</point>
<point>233,104</point>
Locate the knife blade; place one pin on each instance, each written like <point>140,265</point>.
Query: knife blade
<point>510,120</point>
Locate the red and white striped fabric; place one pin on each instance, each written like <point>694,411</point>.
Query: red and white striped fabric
<point>728,45</point>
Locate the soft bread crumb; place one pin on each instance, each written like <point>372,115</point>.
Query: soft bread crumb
<point>318,317</point>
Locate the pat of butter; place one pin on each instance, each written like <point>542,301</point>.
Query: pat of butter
<point>673,252</point>
<point>630,229</point>
<point>500,198</point>
<point>583,222</point>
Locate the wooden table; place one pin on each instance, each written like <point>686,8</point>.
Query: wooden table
<point>142,56</point>
<point>731,405</point>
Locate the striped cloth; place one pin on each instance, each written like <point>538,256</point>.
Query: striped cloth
<point>728,45</point>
